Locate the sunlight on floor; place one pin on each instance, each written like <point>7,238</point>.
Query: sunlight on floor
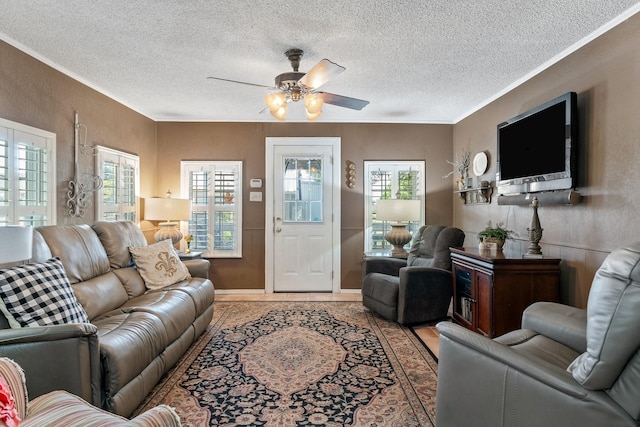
<point>430,337</point>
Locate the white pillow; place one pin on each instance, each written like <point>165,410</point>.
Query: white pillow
<point>159,265</point>
<point>40,294</point>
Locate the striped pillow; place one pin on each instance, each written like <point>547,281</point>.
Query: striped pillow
<point>60,408</point>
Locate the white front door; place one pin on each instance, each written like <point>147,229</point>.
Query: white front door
<point>302,244</point>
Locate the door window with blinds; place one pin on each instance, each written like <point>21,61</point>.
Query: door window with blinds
<point>120,173</point>
<point>27,175</point>
<point>390,180</point>
<point>215,191</point>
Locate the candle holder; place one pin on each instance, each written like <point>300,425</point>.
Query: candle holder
<point>535,233</point>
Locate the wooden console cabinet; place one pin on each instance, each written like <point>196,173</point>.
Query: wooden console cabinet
<point>492,289</point>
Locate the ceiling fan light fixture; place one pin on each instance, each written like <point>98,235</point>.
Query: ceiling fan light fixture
<point>295,94</point>
<point>280,113</point>
<point>314,116</point>
<point>294,85</point>
<point>275,101</point>
<point>313,103</point>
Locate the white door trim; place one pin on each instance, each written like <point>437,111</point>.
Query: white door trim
<point>271,142</point>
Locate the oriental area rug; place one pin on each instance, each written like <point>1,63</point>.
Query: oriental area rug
<point>301,364</point>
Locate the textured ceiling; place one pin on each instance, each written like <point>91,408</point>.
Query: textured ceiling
<point>420,61</point>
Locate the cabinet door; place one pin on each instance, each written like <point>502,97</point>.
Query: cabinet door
<point>484,303</point>
<point>462,295</point>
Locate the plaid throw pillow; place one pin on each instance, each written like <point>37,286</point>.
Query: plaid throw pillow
<point>40,294</point>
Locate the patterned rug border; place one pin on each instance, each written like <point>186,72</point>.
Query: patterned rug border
<point>421,396</point>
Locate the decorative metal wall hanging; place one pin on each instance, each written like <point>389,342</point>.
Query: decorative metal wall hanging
<point>83,185</point>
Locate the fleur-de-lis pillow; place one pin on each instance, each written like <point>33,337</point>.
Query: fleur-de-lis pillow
<point>159,264</point>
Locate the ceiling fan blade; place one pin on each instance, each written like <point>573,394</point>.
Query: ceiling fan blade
<point>242,83</point>
<point>321,73</point>
<point>343,101</point>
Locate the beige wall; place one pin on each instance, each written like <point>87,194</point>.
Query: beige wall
<point>603,73</point>
<point>34,94</point>
<point>246,142</point>
<point>605,76</point>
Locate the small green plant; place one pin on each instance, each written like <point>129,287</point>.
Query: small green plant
<point>496,232</point>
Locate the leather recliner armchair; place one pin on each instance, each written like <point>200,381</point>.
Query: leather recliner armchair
<point>566,366</point>
<point>418,289</point>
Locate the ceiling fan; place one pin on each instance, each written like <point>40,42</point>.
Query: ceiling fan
<point>295,86</point>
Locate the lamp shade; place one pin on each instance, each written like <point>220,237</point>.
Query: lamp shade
<point>398,210</point>
<point>167,209</point>
<point>17,243</point>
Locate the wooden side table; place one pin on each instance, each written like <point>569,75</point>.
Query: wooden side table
<point>191,255</point>
<point>492,289</point>
<point>386,254</point>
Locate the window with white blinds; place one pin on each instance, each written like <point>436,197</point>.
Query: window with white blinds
<point>215,191</point>
<point>120,173</point>
<point>390,180</point>
<point>27,175</point>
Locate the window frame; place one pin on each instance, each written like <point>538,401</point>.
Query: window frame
<point>395,167</point>
<point>16,134</point>
<point>122,159</point>
<point>211,208</point>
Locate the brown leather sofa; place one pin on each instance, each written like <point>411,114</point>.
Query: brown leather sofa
<point>135,335</point>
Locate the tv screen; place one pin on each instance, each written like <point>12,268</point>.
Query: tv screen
<point>536,150</point>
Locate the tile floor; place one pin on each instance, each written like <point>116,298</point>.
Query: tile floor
<point>427,334</point>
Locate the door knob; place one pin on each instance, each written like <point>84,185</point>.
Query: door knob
<point>278,229</point>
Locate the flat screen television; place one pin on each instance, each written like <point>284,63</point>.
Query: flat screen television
<point>537,149</point>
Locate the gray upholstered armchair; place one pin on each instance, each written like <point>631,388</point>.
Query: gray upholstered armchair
<point>565,367</point>
<point>418,289</point>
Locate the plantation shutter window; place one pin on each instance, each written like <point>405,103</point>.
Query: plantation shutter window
<point>215,191</point>
<point>390,180</point>
<point>27,175</point>
<point>120,173</point>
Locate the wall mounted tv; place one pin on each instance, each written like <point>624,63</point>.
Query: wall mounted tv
<point>537,149</point>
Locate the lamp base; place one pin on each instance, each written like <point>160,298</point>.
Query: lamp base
<point>168,230</point>
<point>398,237</point>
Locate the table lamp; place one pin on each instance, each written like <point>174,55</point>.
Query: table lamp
<point>399,212</point>
<point>16,243</point>
<point>170,211</point>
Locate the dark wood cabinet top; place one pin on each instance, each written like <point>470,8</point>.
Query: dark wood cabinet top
<point>499,257</point>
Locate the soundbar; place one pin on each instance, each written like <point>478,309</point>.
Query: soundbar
<point>567,197</point>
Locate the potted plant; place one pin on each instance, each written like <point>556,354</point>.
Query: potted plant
<point>496,234</point>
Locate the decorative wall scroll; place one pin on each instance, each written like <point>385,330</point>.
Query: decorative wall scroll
<point>82,185</point>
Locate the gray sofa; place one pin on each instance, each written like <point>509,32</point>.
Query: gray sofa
<point>418,289</point>
<point>135,335</point>
<point>565,367</point>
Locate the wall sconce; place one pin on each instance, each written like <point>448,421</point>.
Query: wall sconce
<point>82,185</point>
<point>351,174</point>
